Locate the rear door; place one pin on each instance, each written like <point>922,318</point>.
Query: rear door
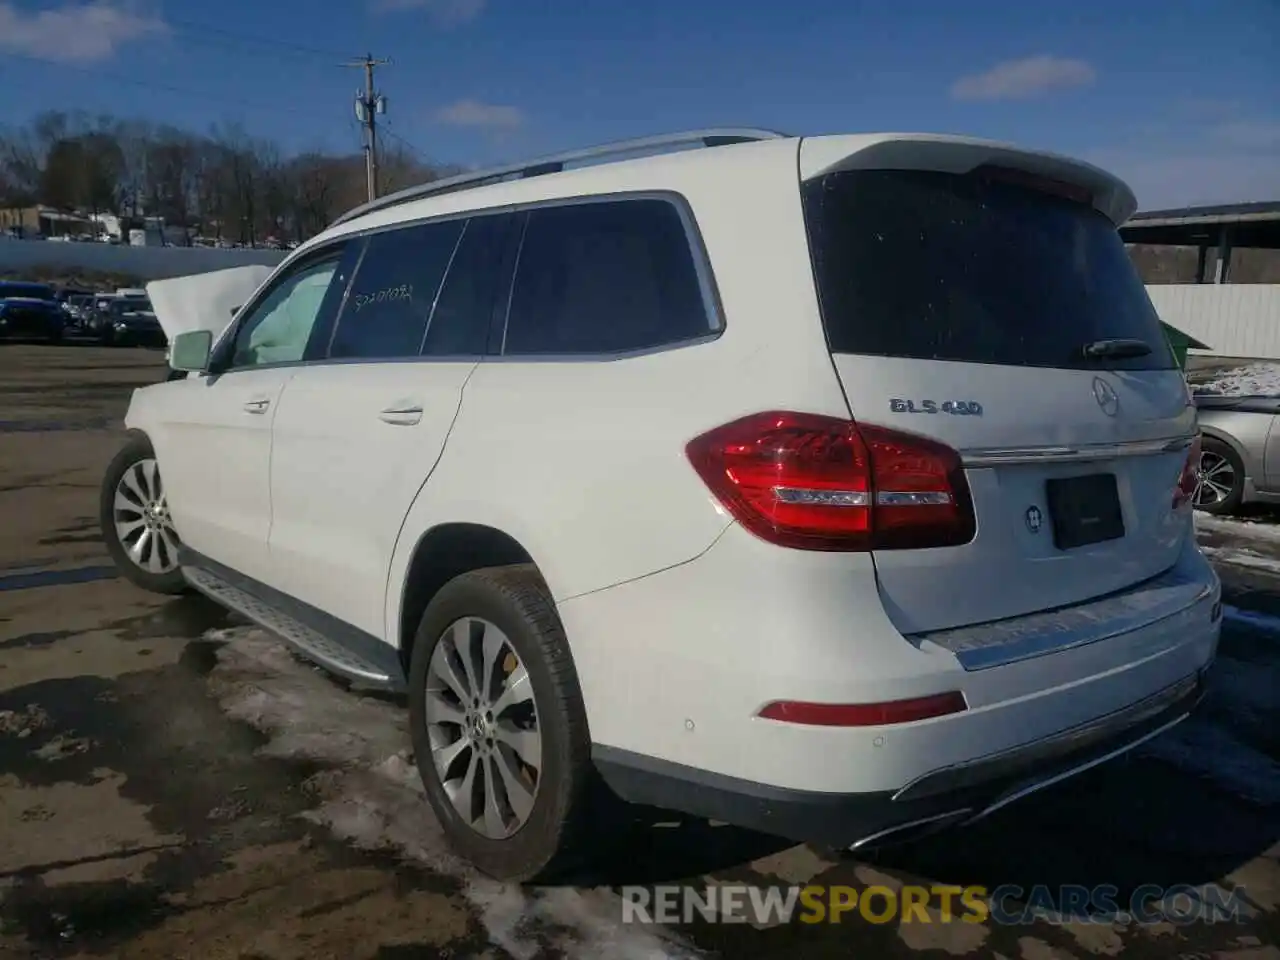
<point>994,309</point>
<point>358,434</point>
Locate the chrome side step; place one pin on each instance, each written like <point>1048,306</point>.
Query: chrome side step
<point>326,652</point>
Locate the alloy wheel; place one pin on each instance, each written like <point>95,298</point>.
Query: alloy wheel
<point>1217,478</point>
<point>142,519</point>
<point>482,724</point>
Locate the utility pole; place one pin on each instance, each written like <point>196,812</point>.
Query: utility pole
<point>369,103</point>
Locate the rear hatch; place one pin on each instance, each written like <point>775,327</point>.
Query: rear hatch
<point>981,297</point>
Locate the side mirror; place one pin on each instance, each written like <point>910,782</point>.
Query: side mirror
<point>234,311</point>
<point>190,351</point>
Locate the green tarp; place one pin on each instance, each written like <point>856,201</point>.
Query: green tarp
<point>1181,343</point>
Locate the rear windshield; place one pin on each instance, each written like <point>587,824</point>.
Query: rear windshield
<point>31,291</point>
<point>949,267</point>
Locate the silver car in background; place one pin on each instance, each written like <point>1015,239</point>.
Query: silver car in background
<point>1240,452</point>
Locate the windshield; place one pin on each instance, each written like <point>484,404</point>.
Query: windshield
<point>32,291</point>
<point>948,267</point>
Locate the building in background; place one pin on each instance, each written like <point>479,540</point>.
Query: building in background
<point>1214,273</point>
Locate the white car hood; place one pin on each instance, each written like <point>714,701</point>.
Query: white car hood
<point>204,301</point>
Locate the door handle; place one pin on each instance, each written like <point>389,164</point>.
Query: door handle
<point>257,406</point>
<point>401,416</point>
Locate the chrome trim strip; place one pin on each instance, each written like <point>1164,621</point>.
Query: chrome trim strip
<point>1000,456</point>
<point>1037,785</point>
<point>939,818</point>
<point>1002,642</point>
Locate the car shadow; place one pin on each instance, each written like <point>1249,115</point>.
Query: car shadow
<point>1124,828</point>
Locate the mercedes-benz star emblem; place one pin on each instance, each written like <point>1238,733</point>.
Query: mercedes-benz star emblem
<point>1034,519</point>
<point>1106,397</point>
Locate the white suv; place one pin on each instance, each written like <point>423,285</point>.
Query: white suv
<point>838,487</point>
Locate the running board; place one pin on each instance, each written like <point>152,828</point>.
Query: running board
<point>322,648</point>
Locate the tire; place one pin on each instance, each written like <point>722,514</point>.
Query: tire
<point>1221,489</point>
<point>515,601</point>
<point>163,574</point>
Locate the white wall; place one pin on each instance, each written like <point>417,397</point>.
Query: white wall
<point>149,263</point>
<point>1234,319</point>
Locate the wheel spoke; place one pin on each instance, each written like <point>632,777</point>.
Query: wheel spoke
<point>519,796</point>
<point>492,644</point>
<point>133,486</point>
<point>526,744</point>
<point>127,528</point>
<point>441,710</point>
<point>462,792</point>
<point>123,504</point>
<point>516,689</point>
<point>443,757</point>
<point>138,550</point>
<point>464,644</point>
<point>442,669</point>
<point>148,470</point>
<point>495,824</point>
<point>1219,468</point>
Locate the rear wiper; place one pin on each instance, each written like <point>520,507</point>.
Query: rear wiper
<point>1115,349</point>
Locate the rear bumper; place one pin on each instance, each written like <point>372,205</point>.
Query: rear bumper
<point>676,667</point>
<point>949,797</point>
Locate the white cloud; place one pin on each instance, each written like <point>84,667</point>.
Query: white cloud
<point>483,116</point>
<point>445,12</point>
<point>75,33</point>
<point>1024,79</point>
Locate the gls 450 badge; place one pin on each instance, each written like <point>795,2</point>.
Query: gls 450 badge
<point>958,408</point>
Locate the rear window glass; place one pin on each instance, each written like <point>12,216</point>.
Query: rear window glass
<point>941,266</point>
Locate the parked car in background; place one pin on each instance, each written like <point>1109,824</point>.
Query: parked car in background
<point>30,311</point>
<point>1240,452</point>
<point>837,487</point>
<point>130,322</point>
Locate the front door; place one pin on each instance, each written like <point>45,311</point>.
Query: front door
<point>214,448</point>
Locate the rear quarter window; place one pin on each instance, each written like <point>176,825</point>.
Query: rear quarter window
<point>941,266</point>
<point>605,277</point>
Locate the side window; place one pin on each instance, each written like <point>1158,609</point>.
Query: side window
<point>279,326</point>
<point>605,277</point>
<point>464,309</point>
<point>390,303</point>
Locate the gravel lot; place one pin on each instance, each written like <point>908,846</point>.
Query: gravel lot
<point>174,784</point>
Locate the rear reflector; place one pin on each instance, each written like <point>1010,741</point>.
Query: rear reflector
<point>865,714</point>
<point>1189,479</point>
<point>820,483</point>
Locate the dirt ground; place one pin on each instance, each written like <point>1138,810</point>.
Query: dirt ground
<point>175,784</point>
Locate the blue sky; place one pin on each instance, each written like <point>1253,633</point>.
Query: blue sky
<point>1181,98</point>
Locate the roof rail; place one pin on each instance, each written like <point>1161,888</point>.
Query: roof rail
<point>711,137</point>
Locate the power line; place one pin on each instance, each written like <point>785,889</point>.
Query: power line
<point>148,84</point>
<point>194,29</point>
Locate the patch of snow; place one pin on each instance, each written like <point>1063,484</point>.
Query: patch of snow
<point>1241,558</point>
<point>1251,380</point>
<point>373,798</point>
<point>1247,529</point>
<point>1202,749</point>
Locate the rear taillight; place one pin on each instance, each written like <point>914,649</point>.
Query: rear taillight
<point>819,483</point>
<point>1189,479</point>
